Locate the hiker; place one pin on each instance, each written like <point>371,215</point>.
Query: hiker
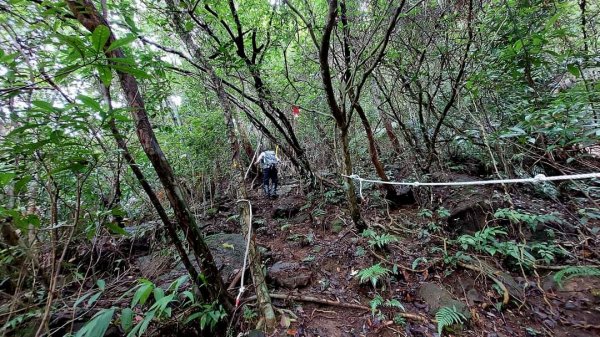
<point>268,160</point>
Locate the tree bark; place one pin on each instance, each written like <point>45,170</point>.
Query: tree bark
<point>349,183</point>
<point>391,192</point>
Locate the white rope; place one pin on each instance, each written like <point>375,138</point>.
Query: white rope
<point>242,288</point>
<point>538,178</point>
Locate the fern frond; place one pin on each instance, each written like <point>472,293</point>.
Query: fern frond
<point>394,303</point>
<point>575,271</point>
<point>375,303</point>
<point>382,240</point>
<point>373,274</point>
<point>368,233</point>
<point>448,316</point>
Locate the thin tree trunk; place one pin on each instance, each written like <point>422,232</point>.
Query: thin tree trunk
<point>139,175</point>
<point>340,116</point>
<point>213,289</point>
<point>349,183</point>
<point>391,192</point>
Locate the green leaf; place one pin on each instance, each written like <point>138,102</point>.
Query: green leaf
<point>122,42</point>
<point>131,23</point>
<point>101,284</point>
<point>6,177</point>
<point>23,222</point>
<point>64,72</point>
<point>98,325</point>
<point>193,316</point>
<point>574,70</point>
<point>143,292</point>
<point>177,283</point>
<point>115,229</point>
<point>158,294</point>
<point>94,298</point>
<point>127,319</point>
<point>189,295</point>
<point>105,74</point>
<point>131,70</point>
<point>81,299</point>
<point>19,185</point>
<point>162,303</point>
<point>44,106</point>
<point>100,36</point>
<point>90,102</point>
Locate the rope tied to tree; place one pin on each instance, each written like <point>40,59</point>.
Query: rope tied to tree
<point>242,288</point>
<point>536,179</point>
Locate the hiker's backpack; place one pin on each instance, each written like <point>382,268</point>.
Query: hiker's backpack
<point>269,160</point>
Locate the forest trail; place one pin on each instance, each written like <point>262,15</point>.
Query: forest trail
<point>310,252</point>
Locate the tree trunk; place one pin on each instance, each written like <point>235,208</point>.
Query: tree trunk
<point>391,192</point>
<point>338,114</point>
<point>139,175</point>
<point>213,289</point>
<point>349,183</point>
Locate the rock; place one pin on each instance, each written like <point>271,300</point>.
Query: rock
<point>548,282</point>
<point>285,189</point>
<point>437,297</point>
<point>228,252</point>
<point>515,290</point>
<point>256,333</point>
<point>549,323</point>
<point>473,296</point>
<point>285,211</point>
<point>301,218</point>
<point>469,206</point>
<point>289,275</point>
<point>404,196</point>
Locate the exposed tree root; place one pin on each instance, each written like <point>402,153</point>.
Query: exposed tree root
<point>312,299</point>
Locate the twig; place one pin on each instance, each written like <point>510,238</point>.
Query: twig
<point>312,299</point>
<point>506,296</point>
<point>235,280</point>
<point>563,267</point>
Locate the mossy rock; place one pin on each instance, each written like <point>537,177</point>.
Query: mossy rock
<point>437,297</point>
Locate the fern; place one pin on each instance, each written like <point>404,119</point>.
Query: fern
<point>575,271</point>
<point>375,303</point>
<point>383,240</point>
<point>378,302</point>
<point>373,274</point>
<point>377,240</point>
<point>394,303</point>
<point>448,316</point>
